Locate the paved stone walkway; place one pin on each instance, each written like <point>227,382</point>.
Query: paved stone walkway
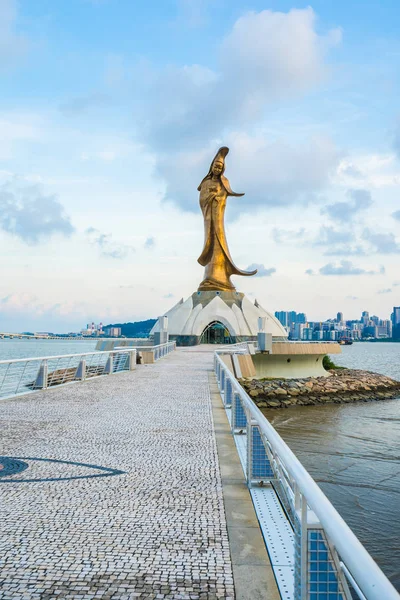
<point>156,530</point>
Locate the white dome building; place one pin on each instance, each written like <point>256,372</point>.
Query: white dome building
<point>218,317</point>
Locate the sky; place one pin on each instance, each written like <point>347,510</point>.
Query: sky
<point>111,112</point>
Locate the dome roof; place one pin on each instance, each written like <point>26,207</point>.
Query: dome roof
<point>234,310</point>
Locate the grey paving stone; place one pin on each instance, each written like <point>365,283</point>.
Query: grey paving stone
<point>157,530</point>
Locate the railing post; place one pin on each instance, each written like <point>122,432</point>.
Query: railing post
<point>239,420</point>
<point>316,571</point>
<point>222,381</point>
<point>108,369</point>
<point>258,464</point>
<point>42,376</point>
<point>228,393</point>
<point>81,370</point>
<point>132,360</point>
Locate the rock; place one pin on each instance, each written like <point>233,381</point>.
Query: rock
<point>281,392</point>
<point>294,392</point>
<point>343,386</point>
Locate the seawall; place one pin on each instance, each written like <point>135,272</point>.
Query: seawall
<point>343,386</point>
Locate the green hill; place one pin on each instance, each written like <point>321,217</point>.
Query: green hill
<point>132,330</point>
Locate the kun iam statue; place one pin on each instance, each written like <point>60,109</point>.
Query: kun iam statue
<point>216,258</point>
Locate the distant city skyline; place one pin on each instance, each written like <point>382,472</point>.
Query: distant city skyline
<point>340,328</point>
<point>110,111</point>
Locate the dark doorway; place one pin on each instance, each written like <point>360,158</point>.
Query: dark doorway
<point>216,333</point>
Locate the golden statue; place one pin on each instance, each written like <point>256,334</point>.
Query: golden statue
<point>216,257</point>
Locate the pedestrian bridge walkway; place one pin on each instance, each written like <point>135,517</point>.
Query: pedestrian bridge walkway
<point>132,486</point>
<point>153,524</point>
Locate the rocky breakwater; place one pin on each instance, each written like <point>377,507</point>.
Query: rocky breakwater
<point>343,386</point>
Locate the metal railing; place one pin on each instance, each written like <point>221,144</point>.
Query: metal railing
<point>328,556</point>
<point>26,375</point>
<point>158,351</point>
<point>240,347</point>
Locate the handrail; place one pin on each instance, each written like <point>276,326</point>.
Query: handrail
<point>118,349</point>
<point>139,348</point>
<point>16,360</point>
<point>367,574</point>
<point>27,375</point>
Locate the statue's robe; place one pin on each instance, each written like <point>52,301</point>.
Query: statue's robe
<point>215,256</point>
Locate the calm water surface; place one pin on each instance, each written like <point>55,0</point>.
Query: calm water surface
<point>10,349</point>
<point>353,452</point>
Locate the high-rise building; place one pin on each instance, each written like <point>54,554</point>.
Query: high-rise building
<point>113,331</point>
<point>339,317</point>
<point>296,331</point>
<point>282,317</point>
<point>365,317</point>
<point>396,315</point>
<point>387,325</point>
<point>396,322</point>
<point>289,317</point>
<point>307,333</point>
<point>318,334</point>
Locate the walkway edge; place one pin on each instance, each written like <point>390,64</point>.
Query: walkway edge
<point>252,571</point>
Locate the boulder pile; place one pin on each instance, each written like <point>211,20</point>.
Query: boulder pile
<point>343,386</point>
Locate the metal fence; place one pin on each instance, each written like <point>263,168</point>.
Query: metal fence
<point>26,375</point>
<point>329,561</point>
<point>158,351</point>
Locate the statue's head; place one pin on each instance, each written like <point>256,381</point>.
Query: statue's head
<point>217,167</point>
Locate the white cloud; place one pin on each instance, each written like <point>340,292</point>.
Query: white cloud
<point>347,268</point>
<point>358,200</point>
<point>288,236</point>
<point>108,247</point>
<point>255,67</point>
<point>273,54</point>
<point>28,213</point>
<point>262,271</point>
<point>194,12</point>
<point>12,43</point>
<point>370,171</point>
<point>382,243</point>
<point>271,173</point>
<point>183,113</point>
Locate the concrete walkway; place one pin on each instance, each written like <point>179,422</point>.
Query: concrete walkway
<point>153,524</point>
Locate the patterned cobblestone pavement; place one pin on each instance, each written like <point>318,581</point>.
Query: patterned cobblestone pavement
<point>122,495</point>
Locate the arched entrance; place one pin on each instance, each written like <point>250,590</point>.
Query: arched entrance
<point>216,333</point>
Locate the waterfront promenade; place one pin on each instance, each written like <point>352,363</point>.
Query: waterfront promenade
<point>171,517</point>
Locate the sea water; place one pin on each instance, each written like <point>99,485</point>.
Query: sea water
<point>353,452</point>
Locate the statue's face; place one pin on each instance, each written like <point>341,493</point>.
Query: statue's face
<point>217,168</point>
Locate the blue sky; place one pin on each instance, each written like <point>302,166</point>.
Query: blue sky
<point>110,113</point>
